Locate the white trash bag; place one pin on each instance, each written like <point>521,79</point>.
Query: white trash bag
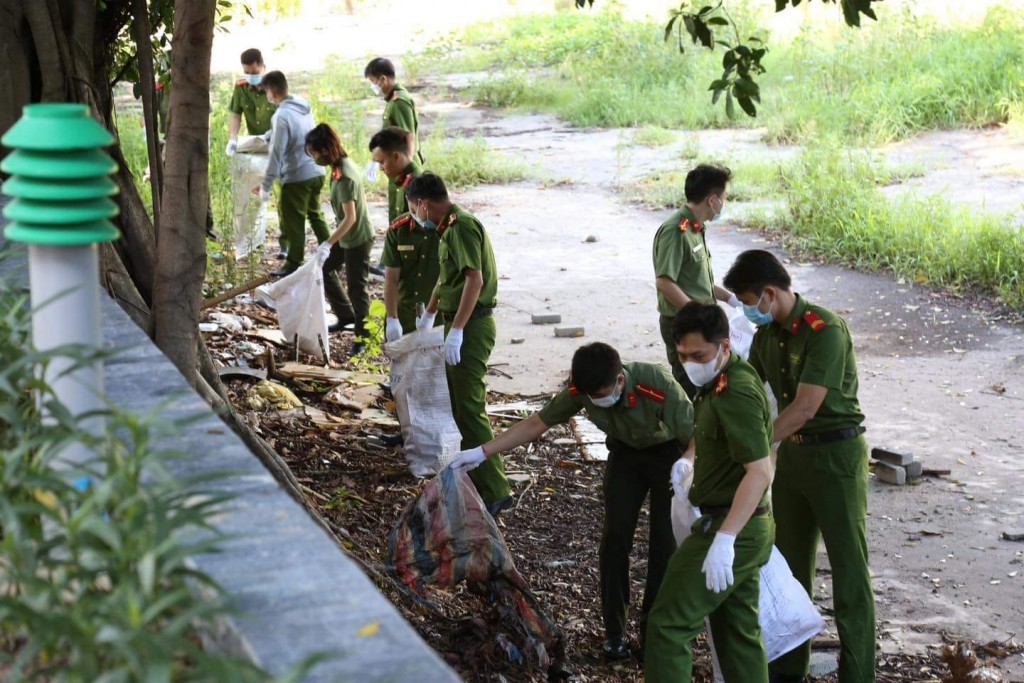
<point>420,387</point>
<point>787,615</point>
<point>249,219</point>
<point>301,310</point>
<point>741,332</point>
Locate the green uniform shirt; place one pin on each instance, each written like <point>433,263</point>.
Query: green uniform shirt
<point>733,426</point>
<point>653,408</point>
<point>400,111</point>
<point>681,253</point>
<point>414,250</point>
<point>347,186</point>
<point>814,347</point>
<point>253,105</point>
<point>464,244</point>
<point>397,203</point>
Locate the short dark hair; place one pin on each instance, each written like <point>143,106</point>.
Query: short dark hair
<point>708,319</point>
<point>595,367</point>
<point>275,80</point>
<point>706,180</point>
<point>428,186</point>
<point>378,67</point>
<point>324,140</point>
<point>252,56</point>
<point>753,270</point>
<point>390,139</point>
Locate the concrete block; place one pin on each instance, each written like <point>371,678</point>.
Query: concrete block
<point>891,457</point>
<point>914,468</point>
<point>546,319</point>
<point>568,331</point>
<point>518,340</point>
<point>890,474</point>
<point>822,664</point>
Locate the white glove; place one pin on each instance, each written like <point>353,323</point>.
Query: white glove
<point>453,346</point>
<point>734,301</point>
<point>718,564</point>
<point>681,471</point>
<point>231,148</point>
<point>425,321</point>
<point>322,252</point>
<point>371,171</point>
<point>264,195</point>
<point>469,459</point>
<point>392,329</point>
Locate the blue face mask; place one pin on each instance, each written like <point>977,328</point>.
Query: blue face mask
<point>423,222</point>
<point>755,315</point>
<point>254,79</point>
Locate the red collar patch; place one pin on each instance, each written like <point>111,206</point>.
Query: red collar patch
<point>336,173</point>
<point>404,181</point>
<point>686,225</point>
<point>631,399</point>
<point>573,391</point>
<point>722,384</point>
<point>795,326</point>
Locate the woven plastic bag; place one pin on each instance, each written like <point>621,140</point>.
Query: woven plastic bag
<point>431,439</point>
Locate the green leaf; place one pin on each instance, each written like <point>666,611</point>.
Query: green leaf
<point>746,87</point>
<point>147,573</point>
<point>668,28</point>
<point>730,106</point>
<point>718,21</point>
<point>720,84</point>
<point>748,106</point>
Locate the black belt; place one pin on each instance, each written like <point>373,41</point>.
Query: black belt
<point>826,437</point>
<point>477,313</point>
<point>759,511</point>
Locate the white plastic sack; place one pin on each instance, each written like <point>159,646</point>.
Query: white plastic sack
<point>741,332</point>
<point>420,387</point>
<point>787,615</point>
<point>249,220</point>
<point>301,310</point>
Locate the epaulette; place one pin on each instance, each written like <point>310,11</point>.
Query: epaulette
<point>650,392</point>
<point>241,81</point>
<point>722,384</point>
<point>815,321</point>
<point>402,220</point>
<point>686,224</point>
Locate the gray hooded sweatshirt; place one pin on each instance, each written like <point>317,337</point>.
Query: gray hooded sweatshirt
<point>288,159</point>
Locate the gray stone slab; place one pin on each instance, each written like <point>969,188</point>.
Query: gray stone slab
<point>546,319</point>
<point>914,468</point>
<point>890,474</point>
<point>892,457</point>
<point>569,331</point>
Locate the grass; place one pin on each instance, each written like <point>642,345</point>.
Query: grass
<point>653,136</point>
<point>836,210</point>
<point>753,180</point>
<point>881,83</point>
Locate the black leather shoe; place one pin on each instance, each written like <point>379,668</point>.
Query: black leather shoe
<point>497,506</point>
<point>341,326</point>
<point>357,348</point>
<point>616,648</point>
<point>281,255</point>
<point>377,270</point>
<point>392,439</point>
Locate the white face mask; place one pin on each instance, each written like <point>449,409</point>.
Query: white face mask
<point>702,373</point>
<point>718,213</point>
<point>609,400</point>
<point>376,89</point>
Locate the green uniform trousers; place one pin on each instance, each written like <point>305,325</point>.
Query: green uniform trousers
<point>298,202</point>
<point>628,476</point>
<point>467,386</point>
<point>673,358</point>
<point>684,600</point>
<point>353,305</point>
<point>821,491</point>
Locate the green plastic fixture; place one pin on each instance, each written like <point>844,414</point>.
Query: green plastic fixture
<point>59,178</point>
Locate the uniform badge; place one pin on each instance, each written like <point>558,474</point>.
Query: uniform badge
<point>631,399</point>
<point>815,321</point>
<point>684,225</point>
<point>721,385</point>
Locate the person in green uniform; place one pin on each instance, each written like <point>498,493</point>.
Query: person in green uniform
<point>649,423</point>
<point>389,148</point>
<point>400,112</point>
<point>410,260</point>
<point>249,101</point>
<point>733,538</point>
<point>682,261</point>
<point>352,239</point>
<point>805,353</point>
<point>465,297</point>
<point>300,177</point>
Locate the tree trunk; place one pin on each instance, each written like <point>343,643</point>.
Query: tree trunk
<point>181,244</point>
<point>147,82</point>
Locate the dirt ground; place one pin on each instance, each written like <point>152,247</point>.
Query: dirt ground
<point>942,377</point>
